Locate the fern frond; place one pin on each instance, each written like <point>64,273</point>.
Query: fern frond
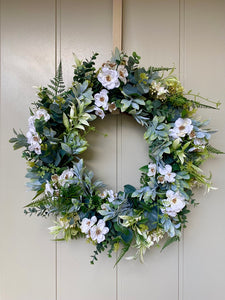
<point>213,150</point>
<point>122,253</point>
<point>57,86</point>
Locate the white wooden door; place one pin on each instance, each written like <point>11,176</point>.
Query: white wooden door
<point>34,36</point>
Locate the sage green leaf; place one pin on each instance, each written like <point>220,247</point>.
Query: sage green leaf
<point>66,121</point>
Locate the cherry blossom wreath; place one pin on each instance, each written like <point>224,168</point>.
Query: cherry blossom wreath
<point>178,144</point>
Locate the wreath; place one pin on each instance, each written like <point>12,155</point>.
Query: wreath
<point>65,188</point>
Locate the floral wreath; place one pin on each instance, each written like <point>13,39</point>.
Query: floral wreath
<point>65,188</point>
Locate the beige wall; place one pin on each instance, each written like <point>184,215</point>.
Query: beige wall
<point>34,34</point>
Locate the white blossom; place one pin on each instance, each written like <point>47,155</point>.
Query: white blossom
<point>181,128</point>
<point>36,147</point>
<point>86,225</point>
<point>31,124</point>
<point>42,113</point>
<point>161,179</point>
<point>99,112</point>
<point>174,203</point>
<point>108,78</point>
<point>66,175</point>
<point>160,90</point>
<point>169,176</point>
<point>103,194</point>
<point>122,73</point>
<point>48,189</point>
<point>33,137</point>
<point>199,144</point>
<point>101,99</point>
<point>111,195</point>
<point>151,169</point>
<point>97,232</point>
<point>157,235</point>
<point>112,106</point>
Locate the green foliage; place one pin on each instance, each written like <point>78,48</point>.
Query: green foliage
<point>178,145</point>
<point>19,141</point>
<point>57,86</point>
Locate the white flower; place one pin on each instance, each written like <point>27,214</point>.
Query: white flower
<point>31,124</point>
<point>42,113</point>
<point>174,203</point>
<point>122,73</point>
<point>181,128</point>
<point>33,137</point>
<point>110,65</point>
<point>86,224</point>
<point>161,179</point>
<point>200,142</point>
<point>101,99</point>
<point>97,232</point>
<point>112,106</point>
<point>151,169</point>
<point>108,78</point>
<point>111,195</point>
<point>167,173</point>
<point>99,112</point>
<point>36,147</point>
<point>48,189</point>
<point>103,194</point>
<point>157,235</point>
<point>66,175</point>
<point>160,90</point>
<point>149,241</point>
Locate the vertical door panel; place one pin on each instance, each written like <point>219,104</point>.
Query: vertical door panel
<point>27,256</point>
<point>86,27</point>
<point>151,28</point>
<point>204,242</point>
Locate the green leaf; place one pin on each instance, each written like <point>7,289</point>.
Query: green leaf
<point>170,241</point>
<point>125,104</point>
<point>122,253</point>
<point>144,169</point>
<point>66,148</point>
<point>66,121</point>
<point>129,189</point>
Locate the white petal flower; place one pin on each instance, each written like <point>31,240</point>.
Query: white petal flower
<point>97,232</point>
<point>99,112</point>
<point>111,195</point>
<point>174,203</point>
<point>66,175</point>
<point>33,137</point>
<point>181,128</point>
<point>158,89</point>
<point>157,235</point>
<point>112,106</point>
<point>108,78</point>
<point>169,176</point>
<point>161,179</point>
<point>161,91</point>
<point>101,99</point>
<point>42,113</point>
<point>36,147</point>
<point>122,73</point>
<point>86,224</point>
<point>48,189</point>
<point>103,194</point>
<point>31,124</point>
<point>151,169</point>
